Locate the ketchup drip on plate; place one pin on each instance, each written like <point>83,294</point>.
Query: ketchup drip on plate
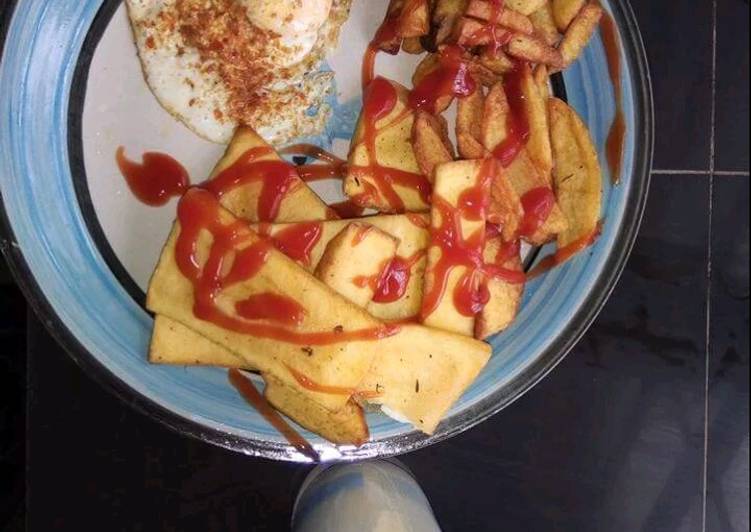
<point>565,253</point>
<point>156,179</point>
<point>236,244</point>
<point>277,179</point>
<point>517,124</point>
<point>615,140</point>
<point>451,78</point>
<point>379,101</point>
<point>386,40</point>
<point>252,396</point>
<point>330,167</point>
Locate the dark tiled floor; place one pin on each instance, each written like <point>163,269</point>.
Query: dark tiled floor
<point>727,475</point>
<point>679,48</point>
<point>732,85</point>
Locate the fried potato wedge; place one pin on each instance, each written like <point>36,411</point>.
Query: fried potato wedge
<point>544,24</point>
<point>534,49</point>
<point>431,143</point>
<point>579,32</point>
<point>505,207</point>
<point>445,15</point>
<point>542,80</point>
<point>508,18</point>
<point>505,296</point>
<point>393,151</point>
<point>392,44</point>
<point>415,19</point>
<point>451,181</point>
<point>564,12</point>
<point>577,175</point>
<point>496,61</point>
<point>469,115</point>
<point>413,46</point>
<point>354,261</point>
<point>342,363</point>
<point>300,203</point>
<point>420,372</point>
<point>346,426</point>
<point>173,343</point>
<point>494,127</point>
<point>525,7</point>
<point>535,107</point>
<point>524,177</point>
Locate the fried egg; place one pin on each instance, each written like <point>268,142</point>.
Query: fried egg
<point>217,64</point>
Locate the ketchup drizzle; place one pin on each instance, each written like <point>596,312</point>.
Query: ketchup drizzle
<point>451,78</point>
<point>379,101</point>
<point>393,282</point>
<point>272,307</point>
<point>565,253</point>
<point>199,211</point>
<point>517,124</point>
<point>156,179</point>
<point>277,178</point>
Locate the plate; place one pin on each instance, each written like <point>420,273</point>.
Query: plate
<point>83,248</point>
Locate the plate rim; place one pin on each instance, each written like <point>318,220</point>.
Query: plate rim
<point>496,401</point>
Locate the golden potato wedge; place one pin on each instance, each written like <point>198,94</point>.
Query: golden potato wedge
<point>505,296</point>
<point>420,372</point>
<point>542,80</point>
<point>505,207</point>
<point>427,65</point>
<point>346,426</point>
<point>577,175</point>
<point>173,343</point>
<point>544,24</point>
<point>579,32</point>
<point>496,61</point>
<point>526,179</point>
<point>525,7</point>
<point>533,49</point>
<point>342,363</point>
<point>469,116</point>
<point>445,15</point>
<point>414,20</point>
<point>430,142</point>
<point>393,181</point>
<point>507,18</point>
<point>452,180</point>
<point>564,12</point>
<point>413,46</point>
<point>535,107</point>
<point>354,261</point>
<point>299,203</point>
<point>494,127</point>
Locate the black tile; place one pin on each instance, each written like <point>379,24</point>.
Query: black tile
<point>12,407</point>
<point>727,475</point>
<point>732,93</point>
<point>97,464</point>
<point>679,47</point>
<point>613,438</point>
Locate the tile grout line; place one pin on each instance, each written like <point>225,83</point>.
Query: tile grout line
<point>740,173</point>
<point>708,302</point>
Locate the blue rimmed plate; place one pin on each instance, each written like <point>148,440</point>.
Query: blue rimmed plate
<point>71,91</point>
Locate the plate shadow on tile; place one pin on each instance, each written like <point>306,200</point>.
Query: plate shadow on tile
<point>727,466</point>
